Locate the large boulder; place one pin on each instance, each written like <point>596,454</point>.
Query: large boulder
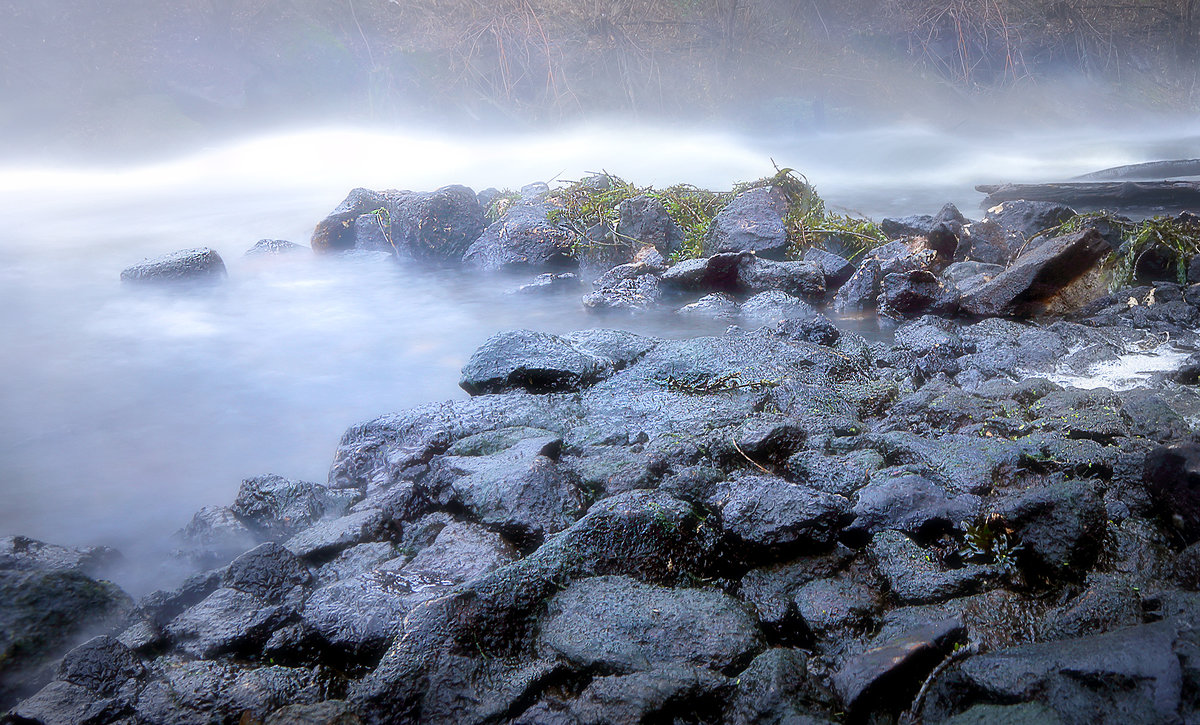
<point>535,361</point>
<point>765,516</point>
<point>187,265</point>
<point>751,222</point>
<point>435,225</point>
<point>801,279</point>
<point>1008,228</point>
<point>524,238</point>
<point>1037,276</point>
<point>617,624</point>
<point>644,221</point>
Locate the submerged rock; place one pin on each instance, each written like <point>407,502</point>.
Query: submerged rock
<point>188,265</point>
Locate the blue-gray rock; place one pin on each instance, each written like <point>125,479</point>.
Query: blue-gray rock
<point>913,576</point>
<point>524,238</point>
<point>912,504</point>
<point>535,361</point>
<point>751,222</point>
<point>226,621</point>
<point>800,279</point>
<point>771,517</point>
<point>678,692</point>
<point>643,221</point>
<point>268,571</point>
<point>187,265</point>
<point>1059,525</point>
<point>332,535</point>
<point>272,247</point>
<point>633,287</point>
<point>1036,276</point>
<point>275,507</point>
<point>718,272</point>
<point>836,269</point>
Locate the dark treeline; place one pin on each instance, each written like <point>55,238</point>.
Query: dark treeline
<point>75,70</point>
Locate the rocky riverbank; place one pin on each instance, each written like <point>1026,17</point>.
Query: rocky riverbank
<point>783,523</point>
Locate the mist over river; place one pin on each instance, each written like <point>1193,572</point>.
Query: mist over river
<point>124,410</point>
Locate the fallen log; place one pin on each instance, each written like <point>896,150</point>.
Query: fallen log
<point>1110,195</point>
<point>1149,171</point>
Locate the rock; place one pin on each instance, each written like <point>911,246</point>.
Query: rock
<point>1037,276</point>
<point>768,517</point>
<point>799,279</point>
<point>717,305</point>
<point>644,221</point>
<point>921,225</point>
<point>912,504</point>
<point>275,507</point>
<point>778,688</point>
<point>672,693</point>
<point>551,283</point>
<point>436,225</point>
<point>272,247</point>
<point>267,571</point>
<point>535,361</point>
<point>1132,675</point>
<point>65,703</point>
<point>904,294</point>
<point>914,577</point>
<point>718,272</point>
<point>1029,713</point>
<point>1059,525</point>
<point>621,347</point>
<point>102,665</point>
<point>187,265</point>
<point>226,621</point>
<point>21,553</point>
<point>329,712</point>
<point>830,605</point>
<point>633,287</point>
<point>840,475</point>
<point>43,612</point>
<point>1006,230</point>
<point>358,559</point>
<point>616,624</point>
<point>836,269</point>
<point>751,222</point>
<point>461,552</point>
<point>809,326</point>
<point>1110,602</point>
<point>861,291</point>
<point>885,678</point>
<point>1172,478</point>
<point>774,306</point>
<point>524,238</point>
<point>356,619</point>
<point>521,492</point>
<point>328,537</point>
<point>1193,270</point>
<point>213,537</point>
<point>966,276</point>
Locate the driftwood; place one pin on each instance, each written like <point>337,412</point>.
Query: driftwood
<point>1111,195</point>
<point>1150,171</point>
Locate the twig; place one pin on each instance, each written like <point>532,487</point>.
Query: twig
<point>748,458</point>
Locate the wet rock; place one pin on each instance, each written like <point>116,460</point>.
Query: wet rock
<point>921,225</point>
<point>885,678</point>
<point>1132,674</point>
<point>717,305</point>
<point>718,272</point>
<point>521,492</point>
<point>751,222</point>
<point>336,232</point>
<point>272,247</point>
<point>102,665</point>
<point>535,361</point>
<point>633,287</point>
<point>1007,229</point>
<point>21,553</point>
<point>1037,276</point>
<point>809,326</point>
<point>672,693</point>
<point>831,605</point>
<point>775,305</point>
<point>1109,603</point>
<point>770,517</point>
<point>65,703</point>
<point>524,238</point>
<point>771,590</point>
<point>1172,478</point>
<point>187,265</point>
<point>435,225</point>
<point>616,624</point>
<point>1029,713</point>
<point>356,560</point>
<point>1010,349</point>
<point>836,269</point>
<point>1156,263</point>
<point>645,220</point>
<point>914,577</point>
<point>267,571</point>
<point>799,279</point>
<point>213,537</point>
<point>966,276</point>
<point>328,537</point>
<point>551,283</point>
<point>329,712</point>
<point>904,294</point>
<point>461,552</point>
<point>777,688</point>
<point>226,621</point>
<point>275,507</point>
<point>842,475</point>
<point>861,291</point>
<point>621,347</point>
<point>912,504</point>
<point>355,619</point>
<point>1060,525</point>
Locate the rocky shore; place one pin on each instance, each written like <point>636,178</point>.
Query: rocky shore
<point>784,523</point>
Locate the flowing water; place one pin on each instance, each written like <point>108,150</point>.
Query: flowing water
<point>124,410</point>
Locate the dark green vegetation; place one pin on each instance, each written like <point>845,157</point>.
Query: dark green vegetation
<point>1160,241</point>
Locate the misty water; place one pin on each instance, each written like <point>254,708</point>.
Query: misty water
<point>124,410</point>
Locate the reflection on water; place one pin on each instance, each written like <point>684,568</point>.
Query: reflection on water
<point>124,410</point>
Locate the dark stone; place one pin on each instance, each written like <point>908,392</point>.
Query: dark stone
<point>966,276</point>
<point>885,678</point>
<point>799,279</point>
<point>188,265</point>
<point>861,291</point>
<point>809,326</point>
<point>672,693</point>
<point>770,517</point>
<point>616,624</point>
<point>336,232</point>
<point>21,553</point>
<point>778,688</point>
<point>1157,263</point>
<point>435,225</point>
<point>633,287</point>
<point>268,571</point>
<point>462,552</point>
<point>275,507</point>
<point>1036,276</point>
<point>643,220</point>
<point>1172,478</point>
<point>836,269</point>
<point>1110,602</point>
<point>1193,270</point>
<point>913,576</point>
<point>213,537</point>
<point>329,712</point>
<point>912,504</point>
<point>1060,525</point>
<point>65,703</point>
<point>535,361</point>
<point>751,222</point>
<point>356,619</point>
<point>226,621</point>
<point>1028,713</point>
<point>828,606</point>
<point>102,665</point>
<point>774,306</point>
<point>718,272</point>
<point>921,225</point>
<point>1131,675</point>
<point>272,247</point>
<point>326,538</point>
<point>917,292</point>
<point>524,238</point>
<point>716,305</point>
<point>621,347</point>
